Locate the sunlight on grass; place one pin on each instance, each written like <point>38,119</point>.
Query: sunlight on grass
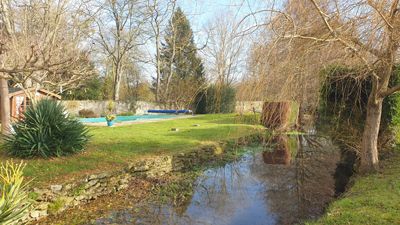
<point>374,199</point>
<point>114,147</point>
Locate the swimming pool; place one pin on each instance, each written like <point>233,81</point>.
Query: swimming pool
<point>120,119</point>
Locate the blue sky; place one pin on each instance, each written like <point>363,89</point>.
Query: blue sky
<point>200,12</point>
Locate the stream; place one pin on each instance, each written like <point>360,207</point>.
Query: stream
<point>288,181</point>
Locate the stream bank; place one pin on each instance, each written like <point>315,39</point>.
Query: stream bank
<point>373,199</point>
<point>287,180</point>
<point>56,198</point>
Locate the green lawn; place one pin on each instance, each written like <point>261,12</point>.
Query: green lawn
<point>114,147</point>
<point>374,199</point>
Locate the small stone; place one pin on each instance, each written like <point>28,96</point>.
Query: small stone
<point>68,187</point>
<point>121,187</point>
<point>38,213</point>
<point>99,176</point>
<point>92,177</point>
<point>90,183</point>
<point>56,188</point>
<point>174,129</point>
<point>80,198</point>
<point>141,167</point>
<point>196,125</point>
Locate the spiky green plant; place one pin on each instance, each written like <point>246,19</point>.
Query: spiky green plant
<point>46,131</point>
<point>14,202</point>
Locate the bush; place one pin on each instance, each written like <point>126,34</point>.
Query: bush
<point>14,202</point>
<point>216,99</point>
<point>47,131</point>
<point>344,97</point>
<point>86,113</point>
<point>126,114</point>
<point>91,89</point>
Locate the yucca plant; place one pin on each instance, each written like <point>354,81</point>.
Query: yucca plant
<point>14,201</point>
<point>46,131</point>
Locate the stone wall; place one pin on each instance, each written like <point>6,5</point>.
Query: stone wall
<point>58,197</point>
<point>141,107</point>
<point>248,106</point>
<point>100,107</point>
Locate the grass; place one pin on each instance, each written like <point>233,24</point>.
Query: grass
<point>374,199</point>
<point>114,147</point>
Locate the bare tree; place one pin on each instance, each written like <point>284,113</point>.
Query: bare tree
<point>41,43</point>
<point>119,24</point>
<point>225,49</point>
<point>159,12</point>
<point>368,30</point>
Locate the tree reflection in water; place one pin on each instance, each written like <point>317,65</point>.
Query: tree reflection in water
<point>286,181</point>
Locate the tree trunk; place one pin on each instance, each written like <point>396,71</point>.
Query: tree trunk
<point>117,82</point>
<point>158,58</point>
<point>5,107</point>
<point>369,146</point>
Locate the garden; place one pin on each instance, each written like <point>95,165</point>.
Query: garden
<point>115,147</point>
<point>199,112</point>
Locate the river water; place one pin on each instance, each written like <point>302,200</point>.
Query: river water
<point>288,181</point>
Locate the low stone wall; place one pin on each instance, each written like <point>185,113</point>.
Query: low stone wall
<point>58,197</point>
<point>100,107</point>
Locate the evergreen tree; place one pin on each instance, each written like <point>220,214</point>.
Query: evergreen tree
<point>182,72</point>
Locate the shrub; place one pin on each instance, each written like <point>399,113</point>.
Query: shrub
<point>91,89</point>
<point>344,97</point>
<point>14,202</point>
<point>344,103</point>
<point>126,114</point>
<point>47,131</point>
<point>216,99</point>
<point>86,113</point>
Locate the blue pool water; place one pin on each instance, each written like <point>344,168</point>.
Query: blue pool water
<point>127,118</point>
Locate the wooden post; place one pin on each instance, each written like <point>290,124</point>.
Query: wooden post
<point>4,107</point>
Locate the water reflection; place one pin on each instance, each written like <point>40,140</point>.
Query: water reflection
<point>280,153</point>
<point>285,182</point>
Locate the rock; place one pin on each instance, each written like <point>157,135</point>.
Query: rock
<point>68,187</point>
<point>80,198</point>
<point>93,189</point>
<point>38,213</point>
<point>123,186</point>
<point>56,188</point>
<point>99,176</point>
<point>90,183</point>
<point>141,168</point>
<point>124,180</point>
